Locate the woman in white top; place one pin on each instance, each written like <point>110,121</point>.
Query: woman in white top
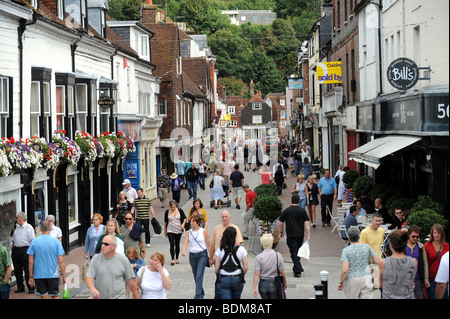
<point>202,169</point>
<point>198,239</point>
<point>341,185</point>
<point>154,279</point>
<point>217,193</point>
<point>231,265</point>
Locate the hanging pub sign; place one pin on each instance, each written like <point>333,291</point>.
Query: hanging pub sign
<point>403,74</point>
<point>105,101</point>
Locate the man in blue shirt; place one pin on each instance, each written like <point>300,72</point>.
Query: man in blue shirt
<point>328,193</point>
<point>45,255</point>
<point>181,169</point>
<point>350,220</point>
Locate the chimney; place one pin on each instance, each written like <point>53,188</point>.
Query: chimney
<point>252,89</point>
<point>149,12</point>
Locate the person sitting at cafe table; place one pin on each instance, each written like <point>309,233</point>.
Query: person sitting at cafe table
<point>383,211</point>
<point>350,220</point>
<point>373,235</point>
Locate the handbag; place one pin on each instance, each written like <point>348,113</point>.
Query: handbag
<point>207,262</point>
<point>139,288</point>
<point>156,226</point>
<point>279,283</point>
<point>85,270</point>
<point>303,251</point>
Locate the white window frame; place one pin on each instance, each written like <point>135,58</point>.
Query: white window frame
<point>62,112</point>
<point>257,119</point>
<point>4,105</point>
<point>231,110</point>
<point>257,106</point>
<point>82,100</point>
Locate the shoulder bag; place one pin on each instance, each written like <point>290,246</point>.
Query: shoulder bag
<point>279,283</point>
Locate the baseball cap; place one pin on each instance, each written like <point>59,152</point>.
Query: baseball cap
<point>125,182</point>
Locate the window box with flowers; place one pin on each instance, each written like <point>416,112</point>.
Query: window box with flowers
<point>107,143</point>
<point>21,154</point>
<point>50,153</point>
<point>88,146</point>
<point>69,150</point>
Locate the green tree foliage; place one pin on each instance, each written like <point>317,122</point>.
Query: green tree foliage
<point>234,86</point>
<point>204,16</point>
<point>123,10</point>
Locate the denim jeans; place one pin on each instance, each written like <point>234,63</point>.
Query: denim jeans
<point>302,203</point>
<point>267,289</point>
<point>201,180</point>
<point>4,291</point>
<point>298,167</point>
<point>231,287</point>
<point>192,189</point>
<point>198,263</point>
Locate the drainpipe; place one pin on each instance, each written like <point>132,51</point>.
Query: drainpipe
<point>20,31</point>
<point>73,48</point>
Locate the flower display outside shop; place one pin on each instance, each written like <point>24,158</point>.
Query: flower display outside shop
<point>107,143</point>
<point>36,152</point>
<point>49,151</point>
<point>5,165</point>
<point>87,145</point>
<point>69,150</point>
<point>21,154</point>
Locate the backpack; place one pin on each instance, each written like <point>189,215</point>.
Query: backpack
<point>230,261</point>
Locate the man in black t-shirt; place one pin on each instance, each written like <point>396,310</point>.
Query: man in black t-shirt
<point>297,221</point>
<point>237,180</point>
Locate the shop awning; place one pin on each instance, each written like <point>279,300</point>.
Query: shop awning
<point>371,153</point>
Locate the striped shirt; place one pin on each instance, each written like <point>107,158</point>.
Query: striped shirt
<point>142,207</point>
<point>23,235</point>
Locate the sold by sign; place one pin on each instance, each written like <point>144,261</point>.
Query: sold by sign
<point>329,72</point>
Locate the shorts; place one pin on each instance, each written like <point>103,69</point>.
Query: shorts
<point>48,286</point>
<point>237,192</point>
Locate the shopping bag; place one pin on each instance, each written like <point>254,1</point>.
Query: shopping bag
<point>303,251</point>
<point>66,294</point>
<point>85,270</point>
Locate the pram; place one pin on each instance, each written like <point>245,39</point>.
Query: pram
<point>226,197</point>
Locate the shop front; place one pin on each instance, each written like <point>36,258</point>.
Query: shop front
<point>407,142</point>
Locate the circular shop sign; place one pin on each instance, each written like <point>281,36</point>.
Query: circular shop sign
<point>403,73</point>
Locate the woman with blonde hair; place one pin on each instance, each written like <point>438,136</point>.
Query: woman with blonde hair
<point>92,235</point>
<point>217,193</point>
<point>436,247</point>
<point>299,189</point>
<point>112,228</point>
<point>154,279</point>
<point>312,199</point>
<point>267,265</point>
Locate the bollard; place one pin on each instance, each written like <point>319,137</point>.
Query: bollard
<point>324,280</point>
<point>319,291</point>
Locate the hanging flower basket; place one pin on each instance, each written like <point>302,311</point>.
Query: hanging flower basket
<point>20,154</point>
<point>88,146</point>
<point>49,151</point>
<point>69,150</point>
<point>5,165</point>
<point>107,141</point>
